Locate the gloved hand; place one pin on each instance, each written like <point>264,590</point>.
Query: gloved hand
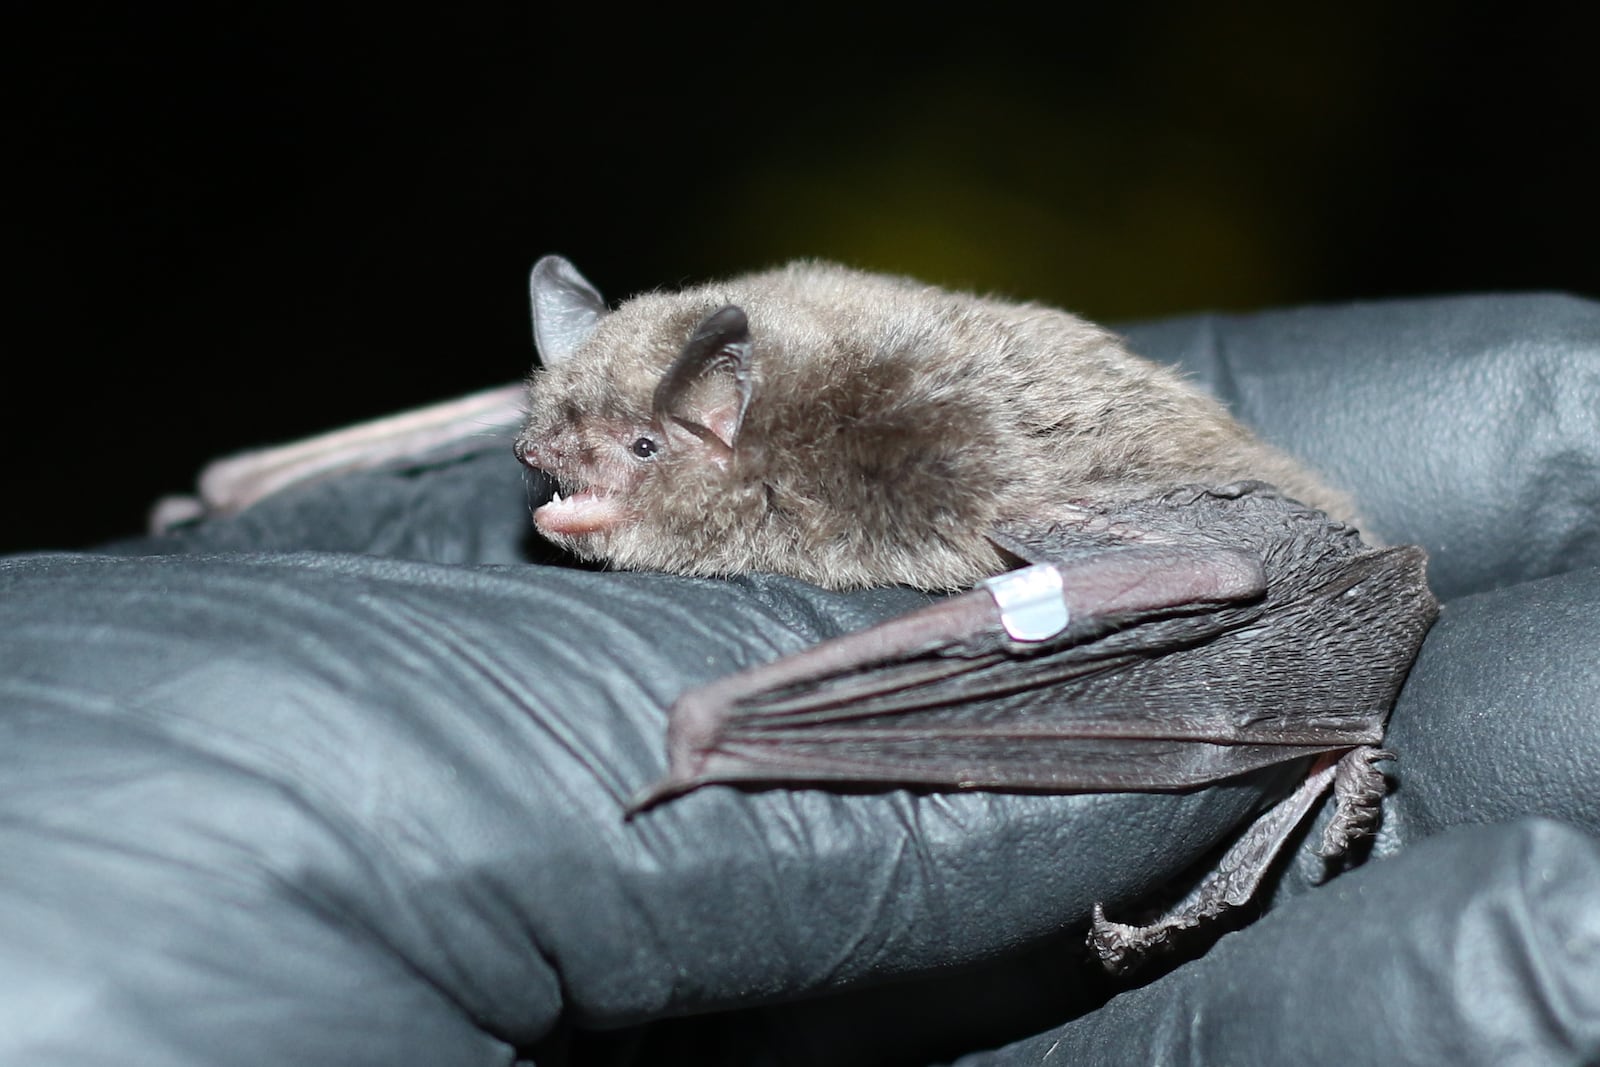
<point>286,806</point>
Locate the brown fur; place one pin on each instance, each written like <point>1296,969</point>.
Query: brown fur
<point>891,425</point>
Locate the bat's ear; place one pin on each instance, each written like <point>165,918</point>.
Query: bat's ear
<point>707,388</point>
<point>566,308</point>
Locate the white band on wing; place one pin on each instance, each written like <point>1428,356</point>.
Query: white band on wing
<point>1032,602</point>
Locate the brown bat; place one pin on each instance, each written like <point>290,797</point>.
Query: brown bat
<point>1182,623</point>
<point>855,430</point>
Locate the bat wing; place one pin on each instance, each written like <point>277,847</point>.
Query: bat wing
<point>1195,636</point>
<point>1160,644</point>
<point>228,486</point>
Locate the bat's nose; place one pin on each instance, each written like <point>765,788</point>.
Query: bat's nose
<point>526,454</point>
<point>534,456</point>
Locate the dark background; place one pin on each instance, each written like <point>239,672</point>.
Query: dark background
<point>241,225</point>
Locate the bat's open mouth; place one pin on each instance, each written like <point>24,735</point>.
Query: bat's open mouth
<point>583,511</point>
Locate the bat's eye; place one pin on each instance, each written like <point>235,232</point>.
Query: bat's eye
<point>644,448</point>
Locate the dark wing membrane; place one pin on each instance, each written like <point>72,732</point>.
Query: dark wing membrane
<point>1185,662</point>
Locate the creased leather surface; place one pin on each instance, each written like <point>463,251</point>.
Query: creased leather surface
<point>1479,946</point>
<point>337,778</point>
<point>1467,425</point>
<point>362,804</point>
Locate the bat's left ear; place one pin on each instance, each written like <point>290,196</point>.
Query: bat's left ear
<point>707,388</point>
<point>566,308</point>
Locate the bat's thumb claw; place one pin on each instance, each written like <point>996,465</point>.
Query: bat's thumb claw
<point>651,795</point>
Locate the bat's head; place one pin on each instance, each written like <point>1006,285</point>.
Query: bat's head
<point>774,422</point>
<point>636,415</point>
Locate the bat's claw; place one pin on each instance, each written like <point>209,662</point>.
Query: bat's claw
<point>1122,947</point>
<point>1358,792</point>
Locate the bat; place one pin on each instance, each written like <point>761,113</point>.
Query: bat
<point>1181,621</point>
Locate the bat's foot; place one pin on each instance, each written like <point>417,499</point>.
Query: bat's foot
<point>1358,787</point>
<point>1123,946</point>
<point>1358,791</point>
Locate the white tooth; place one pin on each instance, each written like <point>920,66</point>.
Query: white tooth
<point>556,499</point>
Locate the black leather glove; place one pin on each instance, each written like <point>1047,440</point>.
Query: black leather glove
<point>340,780</point>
